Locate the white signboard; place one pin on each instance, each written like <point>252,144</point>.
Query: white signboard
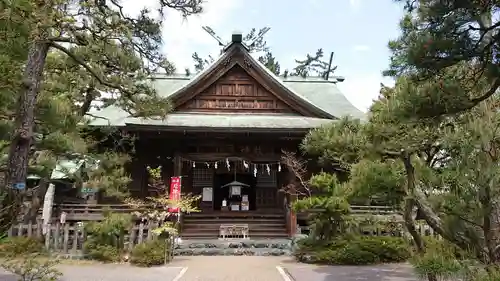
<point>235,190</point>
<point>207,194</point>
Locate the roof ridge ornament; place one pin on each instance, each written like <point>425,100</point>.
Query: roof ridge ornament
<point>236,38</point>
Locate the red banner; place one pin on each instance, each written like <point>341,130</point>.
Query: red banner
<point>175,192</point>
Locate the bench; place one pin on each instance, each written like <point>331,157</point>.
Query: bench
<point>233,231</point>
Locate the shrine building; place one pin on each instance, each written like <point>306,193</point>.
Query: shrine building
<point>225,137</point>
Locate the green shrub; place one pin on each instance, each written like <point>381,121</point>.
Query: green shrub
<point>16,246</point>
<point>354,254</point>
<point>33,267</point>
<point>353,250</point>
<point>105,240</point>
<point>104,253</point>
<point>149,253</point>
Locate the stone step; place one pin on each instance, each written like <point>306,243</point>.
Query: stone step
<point>231,216</point>
<point>267,234</point>
<point>234,221</point>
<point>216,226</point>
<point>252,233</point>
<point>231,252</point>
<point>215,247</point>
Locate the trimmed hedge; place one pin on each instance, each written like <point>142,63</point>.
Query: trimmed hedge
<point>149,253</point>
<point>353,250</point>
<point>104,253</point>
<point>17,246</point>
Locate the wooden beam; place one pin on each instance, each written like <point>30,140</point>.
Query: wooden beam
<point>177,165</point>
<point>221,156</point>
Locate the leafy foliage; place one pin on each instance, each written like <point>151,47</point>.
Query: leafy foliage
<point>254,41</point>
<point>89,54</point>
<point>340,144</point>
<point>271,63</point>
<point>105,240</point>
<point>150,253</point>
<point>377,183</point>
<point>353,250</point>
<point>158,207</point>
<point>332,203</point>
<point>437,36</point>
<point>33,267</point>
<point>18,246</point>
<point>313,64</point>
<point>431,140</point>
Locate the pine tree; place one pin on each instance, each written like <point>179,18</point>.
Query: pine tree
<point>255,42</point>
<point>314,65</point>
<point>270,62</point>
<point>439,35</point>
<point>64,57</point>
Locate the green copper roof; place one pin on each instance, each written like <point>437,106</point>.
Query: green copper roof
<point>198,120</point>
<point>321,93</point>
<point>316,93</point>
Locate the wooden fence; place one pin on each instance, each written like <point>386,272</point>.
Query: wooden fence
<point>68,238</point>
<point>385,228</point>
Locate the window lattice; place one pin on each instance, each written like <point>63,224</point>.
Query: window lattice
<point>267,180</point>
<point>202,177</point>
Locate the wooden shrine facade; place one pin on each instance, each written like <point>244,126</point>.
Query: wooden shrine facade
<point>236,91</point>
<point>208,161</point>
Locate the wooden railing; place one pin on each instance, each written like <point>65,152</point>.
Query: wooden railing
<point>67,239</point>
<point>91,212</point>
<point>360,210</point>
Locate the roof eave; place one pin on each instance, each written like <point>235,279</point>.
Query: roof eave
<point>311,107</point>
<point>140,127</point>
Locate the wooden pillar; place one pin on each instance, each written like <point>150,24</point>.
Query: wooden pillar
<point>178,173</point>
<point>291,196</point>
<point>177,166</point>
<point>292,217</point>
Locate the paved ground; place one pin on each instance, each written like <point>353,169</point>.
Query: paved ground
<point>389,272</point>
<point>228,268</point>
<point>109,272</point>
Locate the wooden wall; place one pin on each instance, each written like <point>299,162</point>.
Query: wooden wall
<point>263,148</point>
<point>236,91</point>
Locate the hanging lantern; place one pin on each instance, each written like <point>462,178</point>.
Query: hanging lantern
<point>194,164</point>
<point>215,165</point>
<point>279,167</point>
<point>255,170</point>
<point>228,165</point>
<point>268,169</point>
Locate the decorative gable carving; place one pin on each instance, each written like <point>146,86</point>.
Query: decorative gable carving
<point>236,91</point>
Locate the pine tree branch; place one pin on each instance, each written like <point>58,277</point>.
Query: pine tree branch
<point>96,116</point>
<point>92,72</point>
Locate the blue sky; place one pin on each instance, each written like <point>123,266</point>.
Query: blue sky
<point>356,30</point>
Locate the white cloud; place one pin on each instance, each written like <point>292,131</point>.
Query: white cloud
<point>355,4</point>
<point>182,36</point>
<point>361,48</point>
<point>361,90</point>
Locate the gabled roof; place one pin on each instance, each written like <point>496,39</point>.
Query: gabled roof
<point>312,94</point>
<point>322,94</point>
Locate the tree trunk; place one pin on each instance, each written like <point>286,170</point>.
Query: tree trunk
<point>36,201</point>
<point>22,136</point>
<point>409,204</point>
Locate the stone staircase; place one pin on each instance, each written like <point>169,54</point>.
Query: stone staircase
<point>213,247</point>
<point>260,225</point>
